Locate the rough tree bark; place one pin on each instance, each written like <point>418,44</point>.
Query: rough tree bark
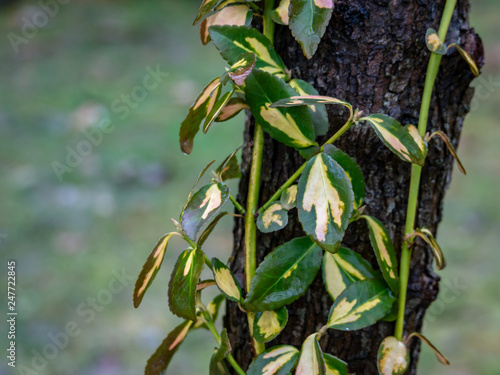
<point>373,55</point>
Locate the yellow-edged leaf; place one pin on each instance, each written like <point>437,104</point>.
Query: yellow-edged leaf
<point>278,360</point>
<point>447,141</point>
<point>441,358</point>
<point>226,282</point>
<point>280,14</point>
<point>311,361</point>
<point>472,64</point>
<point>237,15</point>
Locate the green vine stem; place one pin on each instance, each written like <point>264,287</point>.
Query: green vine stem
<point>237,204</point>
<point>416,170</point>
<point>254,188</point>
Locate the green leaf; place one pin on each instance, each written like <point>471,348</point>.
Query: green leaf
<point>288,198</point>
<point>213,309</point>
<point>311,100</point>
<point>384,251</point>
<point>198,111</point>
<point>311,361</point>
<point>334,365</point>
<point>272,219</point>
<point>269,324</point>
<point>225,347</point>
<point>343,269</point>
<point>278,360</point>
<point>325,201</point>
<point>151,268</point>
<point>291,126</point>
<point>393,357</point>
<point>240,70</point>
<point>160,360</point>
<point>226,282</point>
<point>308,22</point>
<point>404,141</point>
<point>360,305</point>
<point>352,170</point>
<point>202,173</point>
<point>183,282</point>
<point>232,41</point>
<point>218,368</point>
<point>210,227</point>
<point>472,64</point>
<point>318,112</point>
<point>229,168</point>
<point>428,237</point>
<point>447,141</point>
<point>441,358</point>
<point>232,108</point>
<point>280,14</point>
<point>284,275</point>
<point>203,207</point>
<point>434,42</point>
<point>236,15</point>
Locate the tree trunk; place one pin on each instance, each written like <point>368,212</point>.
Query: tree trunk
<point>373,55</point>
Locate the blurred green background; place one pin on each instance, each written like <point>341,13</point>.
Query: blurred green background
<point>72,232</point>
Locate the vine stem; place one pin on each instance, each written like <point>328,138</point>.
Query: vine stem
<point>416,170</point>
<point>253,190</point>
<point>237,204</point>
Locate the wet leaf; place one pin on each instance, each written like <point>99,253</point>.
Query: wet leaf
<point>291,126</point>
<point>233,41</point>
<point>311,361</point>
<point>334,365</point>
<point>284,275</point>
<point>160,360</point>
<point>404,141</point>
<point>280,14</point>
<point>384,251</point>
<point>360,305</point>
<point>269,324</point>
<point>434,42</point>
<point>288,198</point>
<point>236,15</point>
<point>278,360</point>
<point>308,22</point>
<point>273,219</point>
<point>226,282</point>
<point>197,113</point>
<point>393,357</point>
<point>203,207</point>
<point>447,141</point>
<point>183,283</point>
<point>441,358</point>
<point>318,111</point>
<point>151,268</point>
<point>324,201</point>
<point>343,269</point>
<point>232,108</point>
<point>472,64</point>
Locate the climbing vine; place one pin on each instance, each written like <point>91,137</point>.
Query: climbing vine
<point>327,191</point>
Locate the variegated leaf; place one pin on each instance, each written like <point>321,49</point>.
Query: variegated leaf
<point>360,305</point>
<point>447,141</point>
<point>224,348</point>
<point>210,7</point>
<point>352,170</point>
<point>272,219</point>
<point>311,361</point>
<point>183,283</point>
<point>428,237</point>
<point>280,14</point>
<point>384,251</point>
<point>404,141</point>
<point>241,69</point>
<point>288,198</point>
<point>160,360</point>
<point>441,358</point>
<point>325,201</point>
<point>232,108</point>
<point>434,42</point>
<point>226,282</point>
<point>237,15</point>
<point>203,207</point>
<point>318,111</point>
<point>291,126</point>
<point>202,173</point>
<point>232,41</point>
<point>393,357</point>
<point>198,111</point>
<point>151,268</point>
<point>343,269</point>
<point>308,21</point>
<point>284,275</point>
<point>472,64</point>
<point>269,324</point>
<point>295,101</point>
<point>278,360</point>
<point>334,365</point>
<point>210,227</point>
<point>229,168</point>
<point>216,110</point>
